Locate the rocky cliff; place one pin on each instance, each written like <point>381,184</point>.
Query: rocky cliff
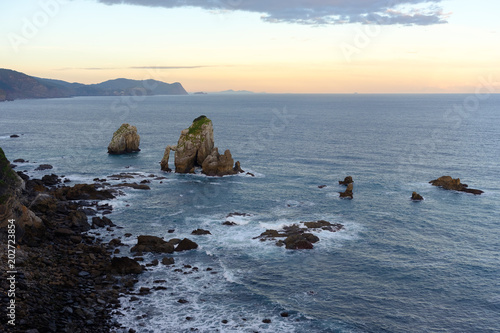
<point>125,140</point>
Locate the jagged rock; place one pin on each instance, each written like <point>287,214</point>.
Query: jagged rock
<point>186,245</point>
<point>301,241</point>
<point>82,192</point>
<point>194,145</point>
<point>218,165</point>
<point>201,232</point>
<point>51,180</point>
<point>347,180</point>
<point>166,156</point>
<point>125,140</point>
<point>237,167</point>
<point>124,265</point>
<point>416,197</point>
<point>448,183</point>
<point>42,167</point>
<point>134,186</point>
<point>168,261</point>
<point>152,244</point>
<point>348,192</point>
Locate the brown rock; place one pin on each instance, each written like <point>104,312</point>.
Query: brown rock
<point>194,145</point>
<point>218,165</point>
<point>125,140</point>
<point>125,265</point>
<point>416,197</point>
<point>348,192</point>
<point>347,180</point>
<point>152,244</point>
<point>448,183</point>
<point>186,245</point>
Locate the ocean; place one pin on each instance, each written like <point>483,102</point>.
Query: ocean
<point>397,266</point>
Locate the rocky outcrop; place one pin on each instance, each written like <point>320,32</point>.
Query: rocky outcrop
<point>347,180</point>
<point>194,145</point>
<point>416,197</point>
<point>152,244</point>
<point>125,265</point>
<point>186,245</point>
<point>125,140</point>
<point>448,183</point>
<point>348,192</point>
<point>195,148</point>
<point>166,157</point>
<point>218,165</point>
<point>297,237</point>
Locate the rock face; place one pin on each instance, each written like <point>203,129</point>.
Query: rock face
<point>166,156</point>
<point>348,192</point>
<point>416,197</point>
<point>448,183</point>
<point>125,140</point>
<point>194,145</point>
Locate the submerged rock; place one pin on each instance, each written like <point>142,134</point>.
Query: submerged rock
<point>448,183</point>
<point>125,140</point>
<point>348,192</point>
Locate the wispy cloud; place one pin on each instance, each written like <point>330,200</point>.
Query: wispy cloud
<point>318,12</point>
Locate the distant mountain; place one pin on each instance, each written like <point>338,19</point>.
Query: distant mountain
<point>231,91</point>
<point>16,85</point>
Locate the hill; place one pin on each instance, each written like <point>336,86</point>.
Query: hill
<point>16,85</point>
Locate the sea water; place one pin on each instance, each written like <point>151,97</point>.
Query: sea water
<point>397,266</point>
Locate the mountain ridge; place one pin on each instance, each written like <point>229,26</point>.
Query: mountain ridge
<point>16,85</point>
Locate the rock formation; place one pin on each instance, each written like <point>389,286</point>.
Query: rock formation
<point>195,148</point>
<point>166,156</point>
<point>347,180</point>
<point>348,192</point>
<point>448,183</point>
<point>125,140</point>
<point>416,197</point>
<point>194,145</point>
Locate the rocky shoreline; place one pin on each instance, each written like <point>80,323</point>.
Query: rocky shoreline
<point>66,280</point>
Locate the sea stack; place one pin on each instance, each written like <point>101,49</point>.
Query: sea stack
<point>348,192</point>
<point>448,183</point>
<point>125,140</point>
<point>194,145</point>
<point>195,148</point>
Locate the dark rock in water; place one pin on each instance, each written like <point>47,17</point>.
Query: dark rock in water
<point>298,237</point>
<point>42,167</point>
<point>19,160</point>
<point>266,321</point>
<point>152,244</point>
<point>448,183</point>
<point>229,223</point>
<point>182,301</point>
<point>168,261</point>
<point>237,214</point>
<point>321,186</point>
<point>347,180</point>
<point>348,192</point>
<point>416,197</point>
<point>23,176</point>
<point>237,167</point>
<point>14,136</point>
<point>124,265</point>
<point>201,232</point>
<point>82,192</point>
<point>134,186</point>
<point>51,180</point>
<point>250,174</point>
<point>284,314</point>
<point>186,245</point>
<point>125,140</point>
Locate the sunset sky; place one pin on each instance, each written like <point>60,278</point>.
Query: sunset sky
<point>295,46</point>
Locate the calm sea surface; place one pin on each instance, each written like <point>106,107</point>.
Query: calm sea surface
<point>398,266</point>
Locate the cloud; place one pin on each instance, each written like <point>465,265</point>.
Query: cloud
<point>318,12</point>
<point>132,67</point>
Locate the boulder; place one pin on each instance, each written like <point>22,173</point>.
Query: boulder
<point>347,180</point>
<point>124,265</point>
<point>448,183</point>
<point>186,245</point>
<point>125,140</point>
<point>348,192</point>
<point>194,145</point>
<point>152,244</point>
<point>219,165</point>
<point>200,232</point>
<point>416,197</point>
<point>301,241</point>
<point>51,180</point>
<point>166,156</point>
<point>42,167</point>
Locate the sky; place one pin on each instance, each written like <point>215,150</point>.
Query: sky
<point>280,46</point>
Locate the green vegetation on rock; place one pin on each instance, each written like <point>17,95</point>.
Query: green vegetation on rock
<point>197,124</point>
